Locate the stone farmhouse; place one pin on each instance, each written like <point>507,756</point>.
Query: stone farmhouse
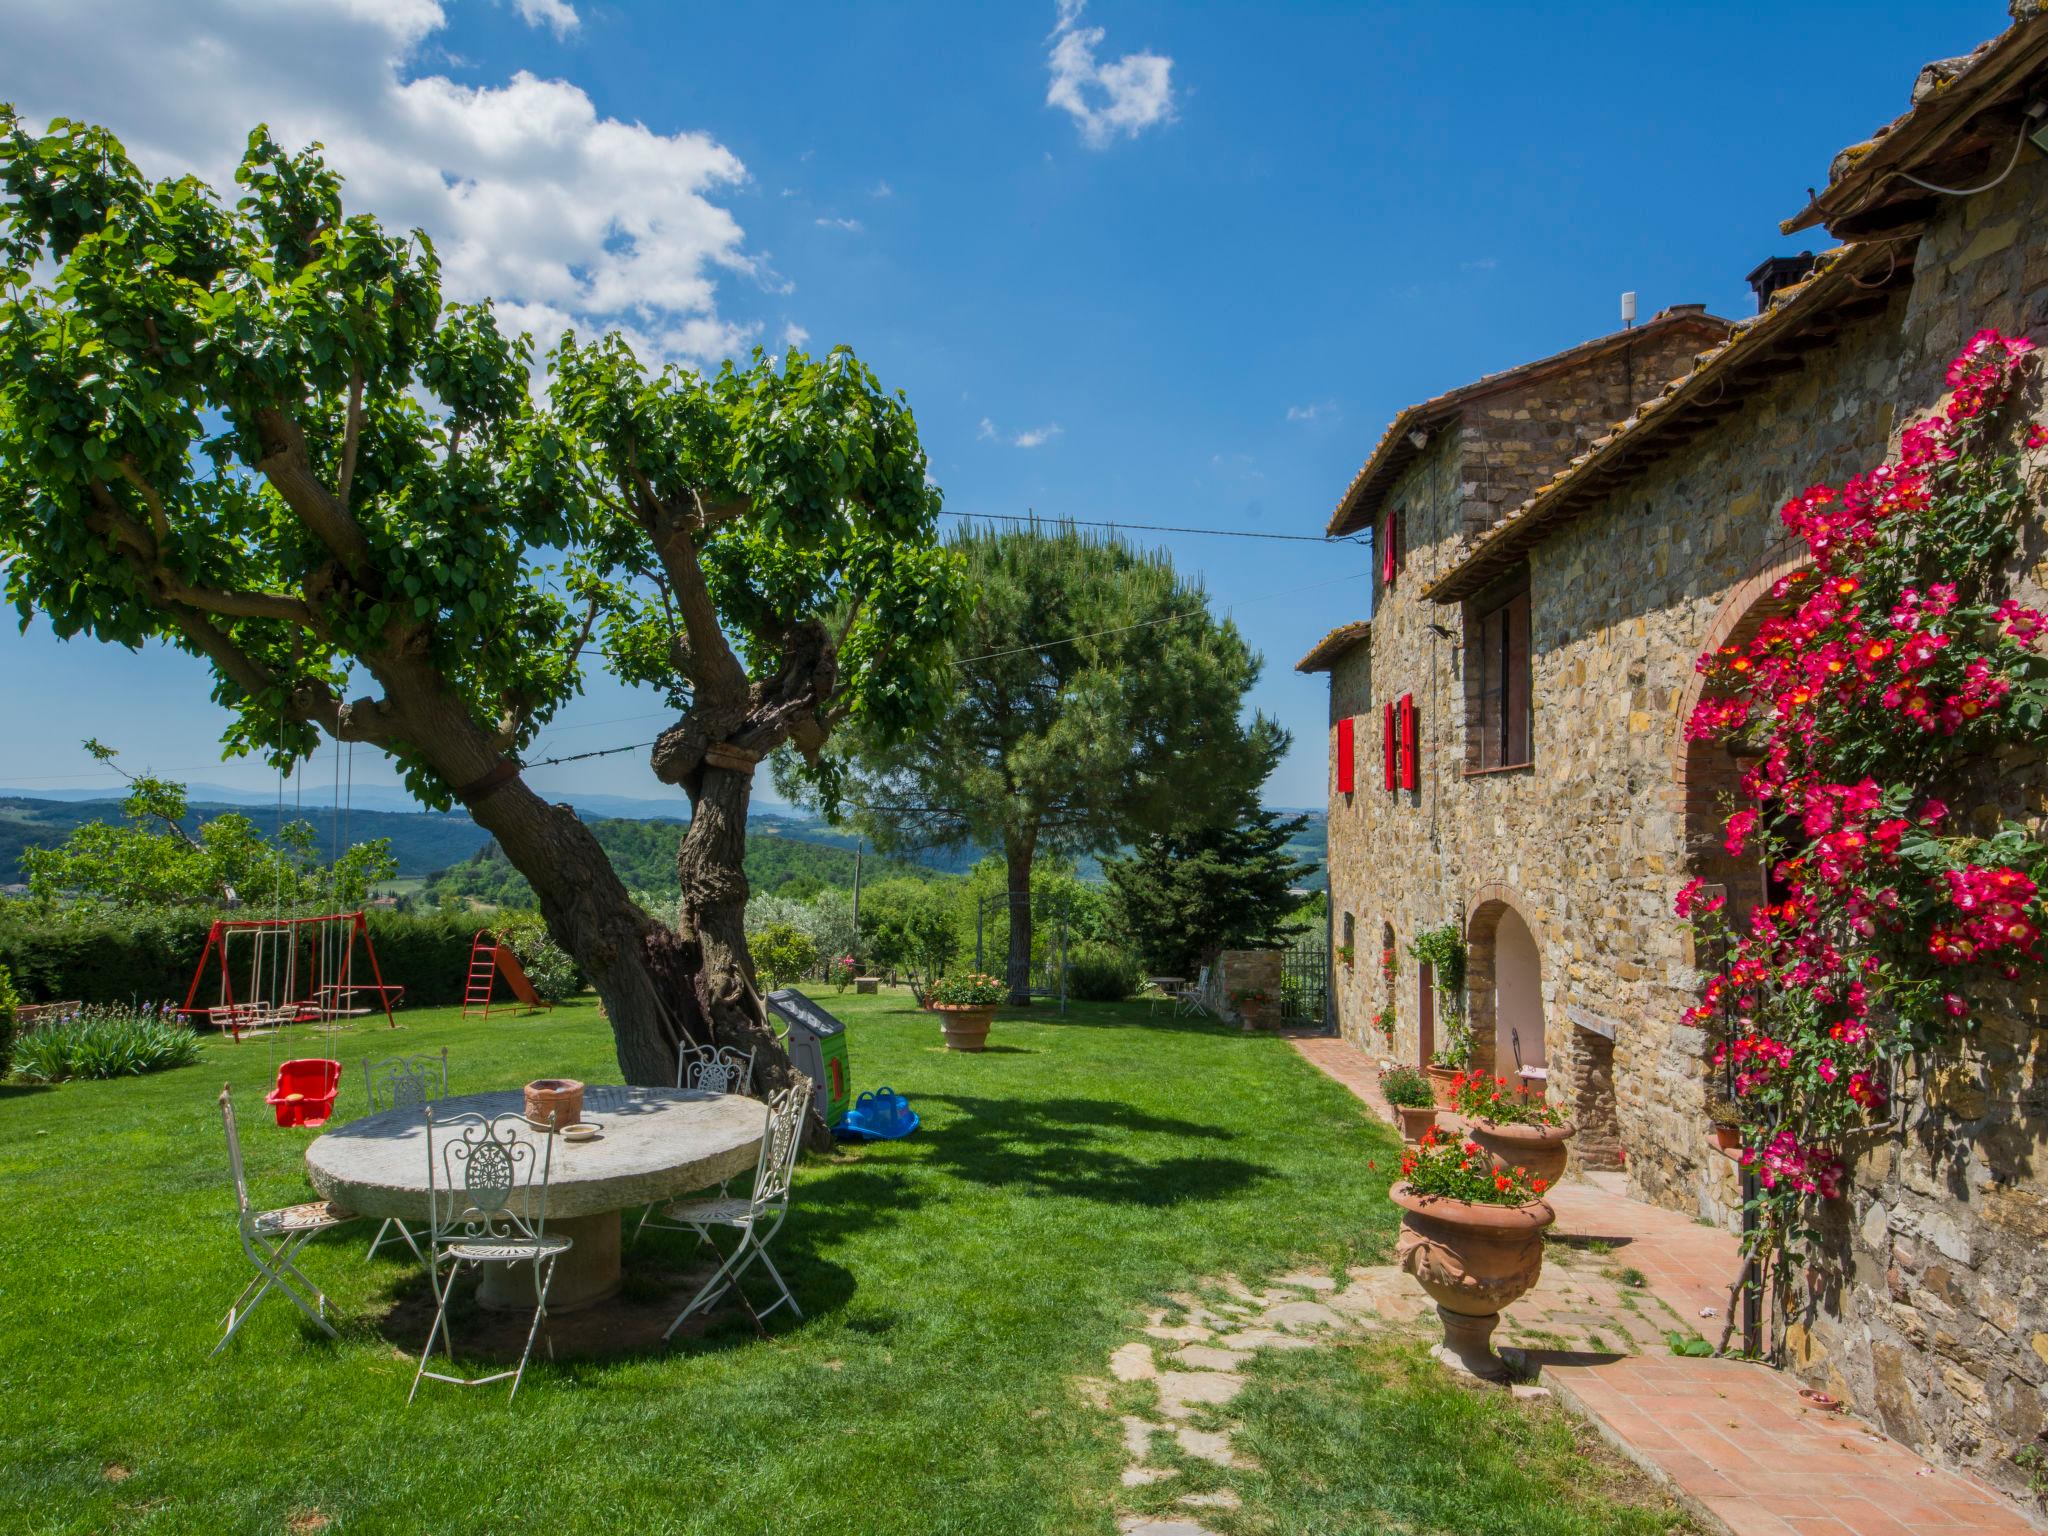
<point>1553,546</point>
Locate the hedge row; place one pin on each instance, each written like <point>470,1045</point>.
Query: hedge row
<point>113,957</point>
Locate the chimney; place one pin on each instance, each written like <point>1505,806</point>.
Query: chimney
<point>1776,272</point>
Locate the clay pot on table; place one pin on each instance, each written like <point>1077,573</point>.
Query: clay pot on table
<point>554,1102</point>
<point>1473,1260</point>
<point>964,1025</point>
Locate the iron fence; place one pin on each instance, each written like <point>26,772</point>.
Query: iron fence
<point>1305,981</point>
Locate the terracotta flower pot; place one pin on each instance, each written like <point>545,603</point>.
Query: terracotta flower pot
<point>964,1025</point>
<point>1473,1260</point>
<point>1415,1123</point>
<point>1440,1085</point>
<point>1538,1150</point>
<point>555,1102</point>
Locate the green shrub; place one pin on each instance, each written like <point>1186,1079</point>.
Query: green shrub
<point>554,975</point>
<point>105,1041</point>
<point>1406,1088</point>
<point>783,955</point>
<point>9,1001</point>
<point>1102,973</point>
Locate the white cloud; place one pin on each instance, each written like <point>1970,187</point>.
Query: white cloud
<point>1031,437</point>
<point>794,335</point>
<point>1124,97</point>
<point>1479,264</point>
<point>851,226</point>
<point>882,189</point>
<point>1312,410</point>
<point>558,16</point>
<point>568,218</point>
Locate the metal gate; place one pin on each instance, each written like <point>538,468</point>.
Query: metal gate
<point>1048,942</point>
<point>1305,981</point>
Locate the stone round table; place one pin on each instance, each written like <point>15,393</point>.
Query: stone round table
<point>656,1144</point>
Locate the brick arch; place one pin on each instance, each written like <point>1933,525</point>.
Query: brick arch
<point>1704,772</point>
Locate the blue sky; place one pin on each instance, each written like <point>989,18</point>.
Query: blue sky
<point>1196,299</point>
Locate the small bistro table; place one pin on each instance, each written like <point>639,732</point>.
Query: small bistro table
<point>656,1144</point>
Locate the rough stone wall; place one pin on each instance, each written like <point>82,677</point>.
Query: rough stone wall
<point>1515,441</point>
<point>1940,1324</point>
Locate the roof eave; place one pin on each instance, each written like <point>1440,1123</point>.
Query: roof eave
<point>1676,412</point>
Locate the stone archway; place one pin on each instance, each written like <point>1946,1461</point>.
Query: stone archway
<point>1504,981</point>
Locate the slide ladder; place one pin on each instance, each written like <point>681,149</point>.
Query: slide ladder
<point>488,960</point>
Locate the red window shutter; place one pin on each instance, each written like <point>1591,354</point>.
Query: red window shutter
<point>1344,771</point>
<point>1410,776</point>
<point>1389,560</point>
<point>1387,744</point>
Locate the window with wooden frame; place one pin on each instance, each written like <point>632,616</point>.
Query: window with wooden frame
<point>1497,680</point>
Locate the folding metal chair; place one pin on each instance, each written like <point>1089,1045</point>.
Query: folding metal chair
<point>757,1218</point>
<point>403,1082</point>
<point>272,1239</point>
<point>487,1199</point>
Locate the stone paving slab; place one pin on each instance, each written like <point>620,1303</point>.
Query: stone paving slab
<point>1734,1440</point>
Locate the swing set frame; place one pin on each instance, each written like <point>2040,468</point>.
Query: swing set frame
<point>329,994</point>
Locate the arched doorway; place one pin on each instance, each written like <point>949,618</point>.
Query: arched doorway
<point>1518,997</point>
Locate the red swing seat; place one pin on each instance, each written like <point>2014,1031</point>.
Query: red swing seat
<point>305,1091</point>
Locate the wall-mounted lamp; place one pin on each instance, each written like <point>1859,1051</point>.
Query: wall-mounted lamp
<point>2037,126</point>
<point>1418,439</point>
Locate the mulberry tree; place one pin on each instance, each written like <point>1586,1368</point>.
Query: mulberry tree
<point>259,434</point>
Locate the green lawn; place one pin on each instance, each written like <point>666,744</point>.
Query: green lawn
<point>955,1284</point>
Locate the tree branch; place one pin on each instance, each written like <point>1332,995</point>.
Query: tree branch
<point>289,468</point>
<point>714,669</point>
<point>351,435</point>
<point>142,551</point>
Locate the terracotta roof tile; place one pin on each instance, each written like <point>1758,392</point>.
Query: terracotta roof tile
<point>1344,638</point>
<point>1945,125</point>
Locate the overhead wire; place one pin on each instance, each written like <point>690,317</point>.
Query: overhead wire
<point>1220,533</point>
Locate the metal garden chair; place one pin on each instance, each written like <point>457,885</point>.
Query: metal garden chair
<point>272,1239</point>
<point>403,1082</point>
<point>715,1068</point>
<point>758,1217</point>
<point>487,1198</point>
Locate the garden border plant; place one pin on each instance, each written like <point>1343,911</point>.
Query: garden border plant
<point>1442,949</point>
<point>1901,670</point>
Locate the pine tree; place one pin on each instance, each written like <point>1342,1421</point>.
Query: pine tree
<point>1184,896</point>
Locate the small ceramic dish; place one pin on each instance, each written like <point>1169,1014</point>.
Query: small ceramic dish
<point>582,1132</point>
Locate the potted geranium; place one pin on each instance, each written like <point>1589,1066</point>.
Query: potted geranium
<point>966,1005</point>
<point>1472,1236</point>
<point>1408,1091</point>
<point>1517,1128</point>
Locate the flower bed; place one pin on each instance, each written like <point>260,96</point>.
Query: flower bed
<point>1457,1169</point>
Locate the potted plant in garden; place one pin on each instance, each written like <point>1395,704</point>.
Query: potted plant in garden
<point>1472,1236</point>
<point>1442,949</point>
<point>1408,1091</point>
<point>1516,1128</point>
<point>966,1005</point>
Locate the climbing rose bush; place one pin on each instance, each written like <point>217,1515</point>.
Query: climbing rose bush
<point>1894,673</point>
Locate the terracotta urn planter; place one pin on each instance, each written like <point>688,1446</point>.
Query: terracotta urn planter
<point>964,1026</point>
<point>555,1102</point>
<point>1415,1122</point>
<point>1538,1150</point>
<point>1440,1084</point>
<point>1472,1260</point>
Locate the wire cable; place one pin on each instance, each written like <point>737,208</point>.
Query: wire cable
<point>2019,143</point>
<point>1220,533</point>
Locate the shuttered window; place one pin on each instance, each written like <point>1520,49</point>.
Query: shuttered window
<point>1345,733</point>
<point>1387,744</point>
<point>1411,774</point>
<point>1498,690</point>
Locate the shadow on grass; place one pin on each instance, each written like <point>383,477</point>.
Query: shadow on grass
<point>23,1090</point>
<point>1065,1147</point>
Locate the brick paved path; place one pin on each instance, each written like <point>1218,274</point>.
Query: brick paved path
<point>1735,1440</point>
